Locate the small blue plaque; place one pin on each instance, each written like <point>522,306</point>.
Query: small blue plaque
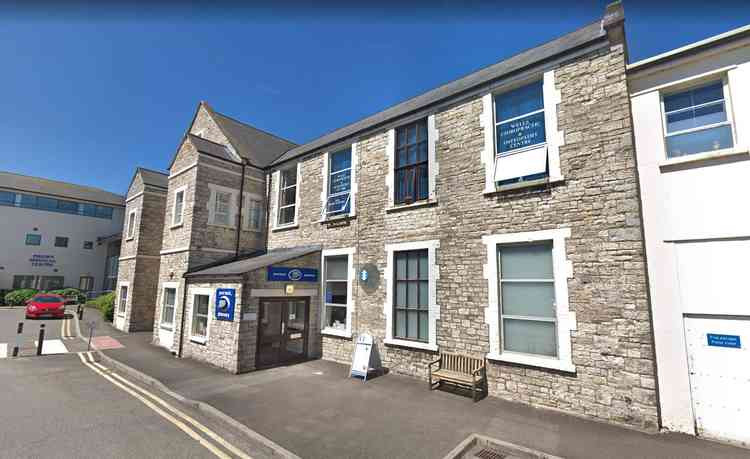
<point>225,300</point>
<point>724,340</point>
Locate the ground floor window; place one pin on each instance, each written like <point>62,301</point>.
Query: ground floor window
<point>199,328</point>
<point>123,299</point>
<point>86,283</point>
<point>337,290</point>
<point>51,282</point>
<point>24,282</point>
<point>411,305</point>
<point>167,310</point>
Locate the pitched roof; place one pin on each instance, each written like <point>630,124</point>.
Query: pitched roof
<point>18,182</point>
<point>260,148</point>
<point>153,178</point>
<point>239,267</point>
<point>211,148</point>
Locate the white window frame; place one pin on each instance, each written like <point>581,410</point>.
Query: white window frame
<point>247,199</point>
<point>131,225</point>
<point>192,292</point>
<point>432,165</point>
<point>350,306</point>
<point>690,85</point>
<point>164,286</point>
<point>554,137</point>
<point>433,309</point>
<point>175,222</point>
<point>277,193</point>
<point>324,194</point>
<point>566,319</point>
<point>120,309</point>
<point>214,191</point>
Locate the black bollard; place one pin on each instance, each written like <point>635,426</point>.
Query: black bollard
<point>41,340</point>
<point>19,331</point>
<point>80,312</point>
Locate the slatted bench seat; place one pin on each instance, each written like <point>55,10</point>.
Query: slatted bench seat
<point>458,369</point>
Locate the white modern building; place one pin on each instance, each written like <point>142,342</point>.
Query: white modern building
<point>55,234</point>
<point>691,118</point>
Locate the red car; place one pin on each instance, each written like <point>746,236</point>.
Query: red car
<point>45,305</point>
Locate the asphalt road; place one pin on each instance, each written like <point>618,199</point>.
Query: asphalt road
<point>65,406</point>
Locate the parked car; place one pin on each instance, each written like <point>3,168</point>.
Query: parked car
<point>45,305</point>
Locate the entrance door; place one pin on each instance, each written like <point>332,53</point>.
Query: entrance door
<point>282,331</point>
<point>719,364</point>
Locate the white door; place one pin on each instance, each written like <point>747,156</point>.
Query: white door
<point>719,364</point>
<point>167,312</point>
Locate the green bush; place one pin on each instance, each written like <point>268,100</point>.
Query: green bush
<point>3,292</point>
<point>19,297</point>
<point>106,304</point>
<point>71,292</point>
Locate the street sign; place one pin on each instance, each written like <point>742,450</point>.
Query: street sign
<point>718,340</point>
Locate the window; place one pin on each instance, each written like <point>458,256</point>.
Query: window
<point>33,239</point>
<point>131,224</point>
<point>24,282</point>
<point>339,182</point>
<point>86,283</point>
<point>697,121</point>
<point>67,207</point>
<point>104,212</point>
<point>520,135</point>
<point>87,210</point>
<point>123,299</point>
<point>287,196</point>
<point>61,241</point>
<point>51,282</point>
<point>7,198</point>
<point>411,302</point>
<point>199,328</point>
<point>88,245</point>
<point>167,310</point>
<point>528,316</point>
<point>411,174</point>
<point>222,208</point>
<point>253,214</point>
<point>336,288</point>
<point>28,201</point>
<point>179,205</point>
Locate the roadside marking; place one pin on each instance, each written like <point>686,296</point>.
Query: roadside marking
<point>52,346</point>
<point>132,388</point>
<point>3,350</point>
<point>105,342</point>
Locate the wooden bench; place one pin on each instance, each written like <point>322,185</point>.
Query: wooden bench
<point>458,369</point>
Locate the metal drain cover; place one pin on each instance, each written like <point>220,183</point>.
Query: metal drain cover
<point>482,447</point>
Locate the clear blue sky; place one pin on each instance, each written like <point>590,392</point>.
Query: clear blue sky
<point>89,94</point>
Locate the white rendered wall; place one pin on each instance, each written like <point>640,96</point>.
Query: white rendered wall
<point>697,228</point>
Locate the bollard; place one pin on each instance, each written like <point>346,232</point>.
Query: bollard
<point>80,312</point>
<point>41,340</point>
<point>19,331</point>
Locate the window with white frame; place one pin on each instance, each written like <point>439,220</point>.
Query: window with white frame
<point>168,307</point>
<point>222,208</point>
<point>337,292</point>
<point>199,326</point>
<point>123,299</point>
<point>697,120</point>
<point>253,213</point>
<point>528,305</point>
<point>339,182</point>
<point>287,200</point>
<point>131,224</point>
<point>411,173</point>
<point>179,206</point>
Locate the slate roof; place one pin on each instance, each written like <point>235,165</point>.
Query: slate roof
<point>153,178</point>
<point>18,182</point>
<point>239,267</point>
<point>211,148</point>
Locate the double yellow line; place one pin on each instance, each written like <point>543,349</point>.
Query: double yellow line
<point>178,418</point>
<point>65,331</point>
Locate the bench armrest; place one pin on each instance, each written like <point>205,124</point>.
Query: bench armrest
<point>436,361</point>
<point>478,370</point>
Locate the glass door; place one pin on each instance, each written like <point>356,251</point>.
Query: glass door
<point>295,336</point>
<point>270,332</point>
<point>282,331</point>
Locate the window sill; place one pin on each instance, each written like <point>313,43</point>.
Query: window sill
<point>285,227</point>
<point>414,205</point>
<point>522,185</point>
<point>221,225</point>
<point>177,225</point>
<point>411,344</point>
<point>337,333</point>
<point>336,218</point>
<point>736,153</point>
<point>166,328</point>
<point>197,340</point>
<point>532,361</point>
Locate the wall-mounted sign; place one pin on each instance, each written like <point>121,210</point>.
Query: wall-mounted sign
<point>289,288</point>
<point>718,340</point>
<point>225,300</point>
<point>369,277</point>
<point>283,274</point>
<point>42,260</point>
<point>521,133</point>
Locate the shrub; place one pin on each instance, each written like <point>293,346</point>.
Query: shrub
<point>19,297</point>
<point>71,292</point>
<point>3,292</point>
<point>106,304</point>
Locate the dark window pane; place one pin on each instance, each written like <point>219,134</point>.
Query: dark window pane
<point>28,200</point>
<point>411,137</point>
<point>412,326</point>
<point>422,130</point>
<point>286,215</point>
<point>341,160</point>
<point>401,324</point>
<point>288,196</point>
<point>424,294</point>
<point>400,265</point>
<point>411,154</point>
<point>7,198</point>
<point>521,133</point>
<point>401,157</point>
<point>422,152</point>
<point>412,265</point>
<point>103,212</point>
<point>412,295</point>
<point>289,177</point>
<point>680,120</point>
<point>401,137</point>
<point>423,326</point>
<point>33,239</point>
<point>46,203</point>
<point>401,288</point>
<point>710,114</point>
<point>677,101</point>
<point>519,101</point>
<point>89,210</point>
<point>68,207</point>
<point>710,93</point>
<point>61,241</point>
<point>423,182</point>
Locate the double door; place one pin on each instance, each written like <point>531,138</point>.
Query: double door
<point>282,331</point>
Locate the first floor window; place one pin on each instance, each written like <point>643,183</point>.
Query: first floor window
<point>33,239</point>
<point>131,224</point>
<point>88,245</point>
<point>200,316</point>
<point>7,198</point>
<point>179,204</point>
<point>61,241</point>
<point>339,182</point>
<point>86,283</point>
<point>411,174</point>
<point>222,208</point>
<point>51,282</point>
<point>167,310</point>
<point>527,299</point>
<point>253,213</point>
<point>336,272</point>
<point>123,299</point>
<point>697,121</point>
<point>411,295</point>
<point>287,199</point>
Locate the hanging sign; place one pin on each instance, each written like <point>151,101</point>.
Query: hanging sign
<point>718,340</point>
<point>283,274</point>
<point>521,133</point>
<point>225,300</point>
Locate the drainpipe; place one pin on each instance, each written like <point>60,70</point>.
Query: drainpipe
<point>268,211</point>
<point>239,222</point>
<point>182,317</point>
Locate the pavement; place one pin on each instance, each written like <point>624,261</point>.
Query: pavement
<point>315,411</point>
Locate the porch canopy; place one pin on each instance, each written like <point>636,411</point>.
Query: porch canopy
<point>237,267</point>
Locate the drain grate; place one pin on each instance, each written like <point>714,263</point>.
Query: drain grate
<point>488,453</point>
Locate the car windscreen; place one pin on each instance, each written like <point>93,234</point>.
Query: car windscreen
<point>47,299</point>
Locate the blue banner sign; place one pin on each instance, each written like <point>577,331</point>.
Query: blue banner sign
<point>225,300</point>
<point>723,340</point>
<point>521,133</point>
<point>283,274</point>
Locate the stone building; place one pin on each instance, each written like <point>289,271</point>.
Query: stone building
<point>139,253</point>
<point>496,216</point>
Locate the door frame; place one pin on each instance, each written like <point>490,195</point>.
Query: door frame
<point>284,300</point>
